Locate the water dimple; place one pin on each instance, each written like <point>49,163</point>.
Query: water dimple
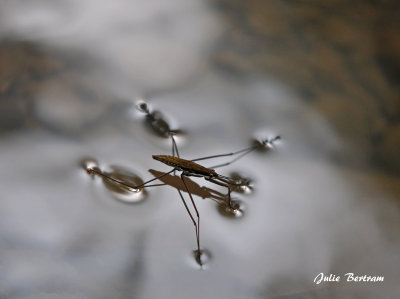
<point>122,192</point>
<point>243,183</point>
<point>179,137</point>
<point>142,106</point>
<point>91,166</point>
<point>202,258</point>
<point>235,210</point>
<point>266,144</point>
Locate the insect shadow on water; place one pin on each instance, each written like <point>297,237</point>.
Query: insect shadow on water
<point>187,169</point>
<point>156,122</point>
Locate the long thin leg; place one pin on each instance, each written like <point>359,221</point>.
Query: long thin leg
<point>156,185</point>
<point>196,225</point>
<point>126,184</point>
<point>174,146</point>
<point>229,197</point>
<point>234,160</point>
<point>225,155</point>
<point>190,215</point>
<point>175,150</point>
<point>243,152</point>
<point>223,185</point>
<point>197,213</point>
<point>227,180</point>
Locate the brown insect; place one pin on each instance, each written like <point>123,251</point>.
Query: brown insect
<point>189,168</point>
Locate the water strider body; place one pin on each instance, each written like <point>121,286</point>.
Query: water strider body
<point>184,165</point>
<point>191,168</point>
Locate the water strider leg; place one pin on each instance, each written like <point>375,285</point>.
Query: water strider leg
<point>235,159</point>
<point>174,146</point>
<point>223,185</point>
<point>191,217</point>
<point>229,197</point>
<point>243,153</point>
<point>196,225</point>
<point>175,150</point>
<point>227,154</point>
<point>95,171</point>
<point>197,214</point>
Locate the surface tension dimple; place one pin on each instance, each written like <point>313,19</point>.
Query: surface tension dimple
<point>121,192</point>
<point>202,258</point>
<point>236,210</point>
<point>90,165</point>
<point>244,183</point>
<point>119,181</point>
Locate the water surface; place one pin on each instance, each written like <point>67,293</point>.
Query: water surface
<point>323,200</point>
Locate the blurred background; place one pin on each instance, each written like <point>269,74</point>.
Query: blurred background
<point>324,75</point>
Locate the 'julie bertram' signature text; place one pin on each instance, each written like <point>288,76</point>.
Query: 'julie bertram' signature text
<point>321,277</point>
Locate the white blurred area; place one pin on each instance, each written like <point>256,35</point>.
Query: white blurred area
<point>141,42</point>
<point>63,235</point>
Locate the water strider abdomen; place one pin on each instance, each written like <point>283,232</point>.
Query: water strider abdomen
<point>185,165</point>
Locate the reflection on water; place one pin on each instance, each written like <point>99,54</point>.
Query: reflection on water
<point>71,73</point>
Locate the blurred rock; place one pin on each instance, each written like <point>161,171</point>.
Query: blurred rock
<point>23,67</point>
<point>342,58</point>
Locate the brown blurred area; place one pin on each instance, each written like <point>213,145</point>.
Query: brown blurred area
<point>341,56</point>
<point>24,66</point>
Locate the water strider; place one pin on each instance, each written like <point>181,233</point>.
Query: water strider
<point>190,168</point>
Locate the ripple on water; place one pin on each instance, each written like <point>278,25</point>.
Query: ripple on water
<point>263,144</point>
<point>202,260</point>
<point>91,166</point>
<point>121,192</point>
<point>244,183</point>
<point>236,210</point>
